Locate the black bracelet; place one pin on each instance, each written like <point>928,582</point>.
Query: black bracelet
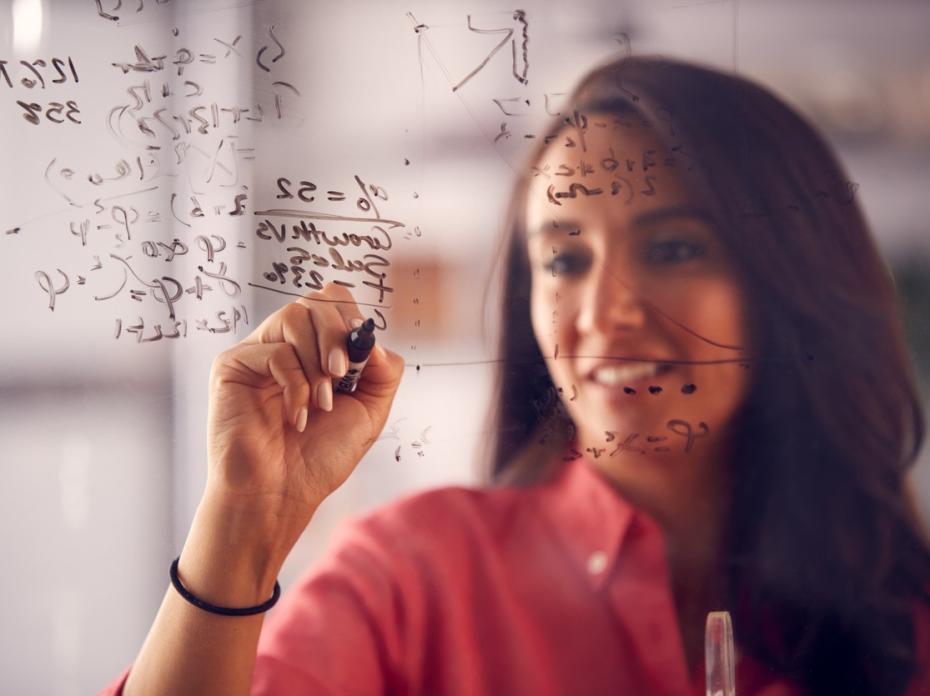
<point>212,608</point>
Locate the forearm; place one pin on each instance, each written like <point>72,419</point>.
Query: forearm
<point>192,651</point>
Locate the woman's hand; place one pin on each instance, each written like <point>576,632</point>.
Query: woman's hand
<point>280,440</point>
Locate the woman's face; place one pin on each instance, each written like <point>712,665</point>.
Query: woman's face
<point>635,302</point>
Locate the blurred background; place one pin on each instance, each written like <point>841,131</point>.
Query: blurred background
<point>151,151</point>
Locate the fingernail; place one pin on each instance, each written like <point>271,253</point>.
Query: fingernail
<point>337,363</point>
<point>302,419</point>
<point>356,322</point>
<point>324,395</point>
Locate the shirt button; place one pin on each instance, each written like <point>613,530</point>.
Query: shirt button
<point>597,562</point>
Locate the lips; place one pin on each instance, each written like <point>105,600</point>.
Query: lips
<point>618,377</point>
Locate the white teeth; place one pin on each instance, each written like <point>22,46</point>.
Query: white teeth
<point>611,375</point>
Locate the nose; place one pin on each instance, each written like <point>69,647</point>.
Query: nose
<point>610,301</point>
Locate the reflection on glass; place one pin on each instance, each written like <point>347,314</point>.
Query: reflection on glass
<point>719,660</point>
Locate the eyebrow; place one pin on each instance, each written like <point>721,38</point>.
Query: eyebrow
<point>553,226</point>
<point>671,213</point>
<point>650,217</point>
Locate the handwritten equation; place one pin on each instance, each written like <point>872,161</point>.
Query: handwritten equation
<point>166,223</point>
<point>30,76</point>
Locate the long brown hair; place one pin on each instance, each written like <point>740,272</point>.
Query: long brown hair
<point>826,554</point>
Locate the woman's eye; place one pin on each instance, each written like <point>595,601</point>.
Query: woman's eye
<point>565,264</point>
<point>674,251</point>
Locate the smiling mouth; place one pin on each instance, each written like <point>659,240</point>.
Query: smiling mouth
<point>613,376</point>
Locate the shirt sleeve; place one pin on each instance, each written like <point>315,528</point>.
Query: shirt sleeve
<point>115,687</point>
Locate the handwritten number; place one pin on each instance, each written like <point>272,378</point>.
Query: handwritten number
<point>305,188</point>
<point>4,74</point>
<point>284,192</point>
<point>58,63</point>
<point>72,110</point>
<point>54,108</point>
<point>29,83</point>
<point>279,270</point>
<point>316,280</point>
<point>31,112</point>
<point>34,111</point>
<point>303,193</point>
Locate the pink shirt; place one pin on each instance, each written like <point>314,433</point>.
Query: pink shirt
<point>561,588</point>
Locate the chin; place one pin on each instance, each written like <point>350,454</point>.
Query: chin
<point>669,427</point>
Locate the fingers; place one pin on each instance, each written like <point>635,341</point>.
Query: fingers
<point>315,327</point>
<point>306,337</point>
<point>280,362</point>
<point>328,316</point>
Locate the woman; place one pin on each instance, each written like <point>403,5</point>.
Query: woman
<point>824,553</point>
<point>705,404</point>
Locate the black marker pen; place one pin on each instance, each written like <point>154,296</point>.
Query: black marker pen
<point>359,344</point>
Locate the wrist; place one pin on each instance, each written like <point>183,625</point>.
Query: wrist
<point>230,558</point>
<point>200,603</point>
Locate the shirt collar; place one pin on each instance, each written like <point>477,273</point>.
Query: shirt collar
<point>587,516</point>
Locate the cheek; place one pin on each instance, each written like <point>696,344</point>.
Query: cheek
<point>718,317</point>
